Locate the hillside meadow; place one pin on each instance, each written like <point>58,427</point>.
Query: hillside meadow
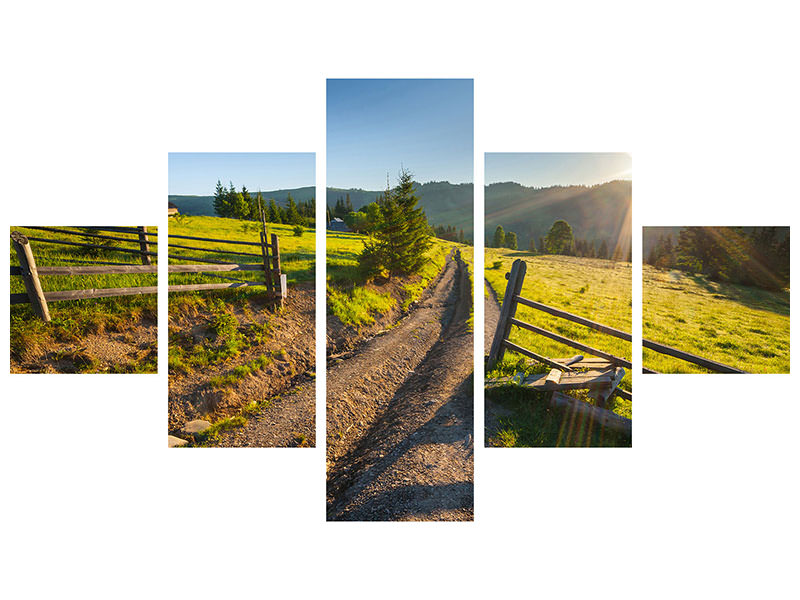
<point>741,326</point>
<point>74,320</point>
<point>355,301</point>
<point>595,289</point>
<point>297,252</point>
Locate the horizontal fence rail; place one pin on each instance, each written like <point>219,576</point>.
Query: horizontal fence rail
<point>706,363</point>
<point>270,265</point>
<point>30,273</point>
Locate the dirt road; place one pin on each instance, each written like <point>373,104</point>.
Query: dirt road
<point>399,422</point>
<point>492,411</point>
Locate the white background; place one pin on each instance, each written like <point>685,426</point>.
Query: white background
<point>95,94</point>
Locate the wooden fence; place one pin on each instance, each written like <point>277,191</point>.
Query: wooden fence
<point>706,363</point>
<point>30,273</point>
<point>605,372</point>
<point>270,264</point>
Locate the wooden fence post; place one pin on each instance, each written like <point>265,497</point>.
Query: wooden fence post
<point>265,249</point>
<point>30,275</point>
<point>144,246</point>
<point>276,265</point>
<point>513,289</point>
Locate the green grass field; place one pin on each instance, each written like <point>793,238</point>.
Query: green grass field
<point>595,289</point>
<point>297,252</point>
<point>73,320</point>
<point>354,302</point>
<point>741,326</point>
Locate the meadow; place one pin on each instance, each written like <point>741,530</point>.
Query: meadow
<point>741,326</point>
<point>595,289</point>
<point>72,321</point>
<point>297,252</point>
<point>352,299</point>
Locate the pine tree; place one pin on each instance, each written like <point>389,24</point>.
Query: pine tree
<point>402,239</point>
<point>220,200</point>
<point>292,215</point>
<point>559,239</point>
<point>602,252</point>
<point>499,237</point>
<point>511,240</point>
<point>273,212</point>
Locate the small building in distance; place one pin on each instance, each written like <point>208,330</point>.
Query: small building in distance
<point>337,224</point>
<point>172,210</point>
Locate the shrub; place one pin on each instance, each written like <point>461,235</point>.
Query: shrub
<point>298,231</point>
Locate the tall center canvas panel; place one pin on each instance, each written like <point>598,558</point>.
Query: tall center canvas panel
<point>399,218</point>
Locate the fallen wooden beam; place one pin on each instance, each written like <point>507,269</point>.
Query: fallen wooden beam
<point>600,416</point>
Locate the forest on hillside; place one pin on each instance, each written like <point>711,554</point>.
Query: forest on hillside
<point>754,256</point>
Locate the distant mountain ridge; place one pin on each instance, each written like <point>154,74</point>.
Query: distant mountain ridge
<point>595,212</point>
<point>204,205</point>
<point>444,203</point>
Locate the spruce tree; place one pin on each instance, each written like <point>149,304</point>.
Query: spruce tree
<point>499,237</point>
<point>292,215</point>
<point>511,240</point>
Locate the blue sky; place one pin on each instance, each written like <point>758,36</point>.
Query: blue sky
<point>196,173</point>
<point>541,169</point>
<point>374,125</point>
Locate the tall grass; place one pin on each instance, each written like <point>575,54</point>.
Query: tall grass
<point>350,297</point>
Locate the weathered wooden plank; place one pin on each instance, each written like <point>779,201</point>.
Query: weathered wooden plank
<point>623,394</point>
<point>618,333</point>
<point>602,394</point>
<point>649,371</point>
<point>202,239</point>
<point>214,268</point>
<point>99,293</point>
<point>92,235</point>
<point>215,250</point>
<point>530,354</point>
<point>599,416</point>
<point>711,365</point>
<point>20,298</point>
<point>569,381</point>
<point>144,246</point>
<point>198,259</point>
<point>276,264</point>
<point>284,286</point>
<point>515,277</point>
<point>197,287</point>
<point>97,270</point>
<point>109,248</point>
<point>569,342</point>
<point>30,276</point>
<point>587,363</point>
<point>117,229</point>
<point>15,270</point>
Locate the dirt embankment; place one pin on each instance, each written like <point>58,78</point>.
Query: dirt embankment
<point>123,348</point>
<point>399,421</point>
<point>289,346</point>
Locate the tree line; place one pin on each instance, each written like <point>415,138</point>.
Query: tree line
<point>758,258</point>
<point>241,204</point>
<point>368,218</point>
<point>561,240</point>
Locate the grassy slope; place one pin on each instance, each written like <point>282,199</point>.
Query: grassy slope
<point>297,252</point>
<point>595,289</point>
<point>297,261</point>
<point>349,296</point>
<point>741,326</point>
<point>71,320</point>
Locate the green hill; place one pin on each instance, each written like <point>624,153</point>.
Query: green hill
<point>445,203</point>
<point>595,212</point>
